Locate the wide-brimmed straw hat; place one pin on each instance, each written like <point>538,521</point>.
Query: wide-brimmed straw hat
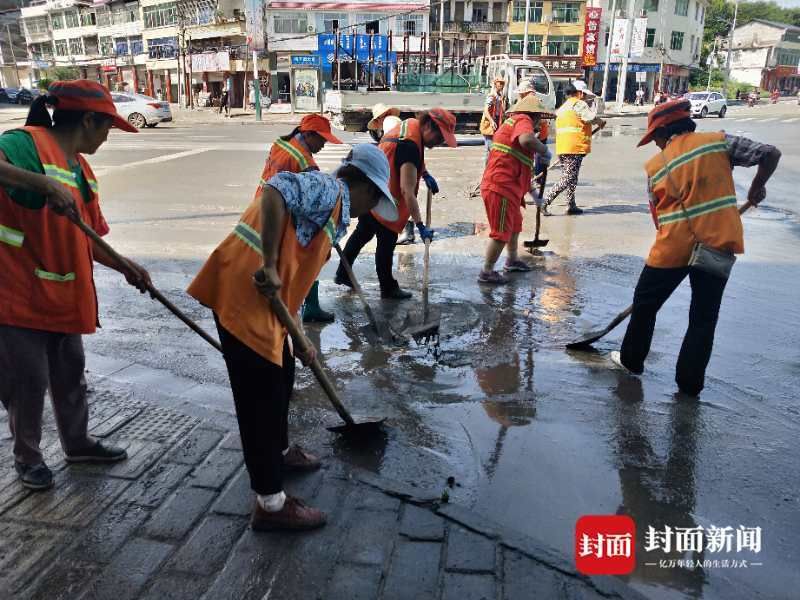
<point>381,110</point>
<point>663,115</point>
<point>532,105</point>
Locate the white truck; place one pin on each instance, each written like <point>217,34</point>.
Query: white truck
<point>352,110</point>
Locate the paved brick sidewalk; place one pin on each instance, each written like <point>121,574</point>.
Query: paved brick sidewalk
<point>171,522</point>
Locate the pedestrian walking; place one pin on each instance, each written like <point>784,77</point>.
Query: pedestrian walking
<point>639,97</point>
<point>574,120</point>
<point>223,103</point>
<point>405,150</point>
<point>287,233</point>
<point>693,202</point>
<point>294,153</point>
<point>494,113</point>
<point>47,293</point>
<point>506,180</point>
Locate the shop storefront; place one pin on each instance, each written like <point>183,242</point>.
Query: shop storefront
<point>642,76</point>
<point>783,78</point>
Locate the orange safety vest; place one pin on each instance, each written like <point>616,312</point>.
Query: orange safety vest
<point>573,136</point>
<point>46,262</point>
<point>225,283</point>
<point>285,155</point>
<point>408,130</point>
<point>497,110</point>
<point>695,168</point>
<point>508,170</point>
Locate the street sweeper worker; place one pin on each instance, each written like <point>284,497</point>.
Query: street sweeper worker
<point>506,180</point>
<point>295,153</point>
<point>287,233</point>
<point>693,203</point>
<point>47,292</point>
<point>524,90</point>
<point>574,120</point>
<point>405,150</point>
<point>494,112</point>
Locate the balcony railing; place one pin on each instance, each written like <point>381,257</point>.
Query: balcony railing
<point>475,27</point>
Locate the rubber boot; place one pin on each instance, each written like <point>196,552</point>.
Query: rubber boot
<point>312,313</point>
<point>407,237</point>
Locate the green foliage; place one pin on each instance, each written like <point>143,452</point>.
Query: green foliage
<point>63,73</point>
<point>44,83</point>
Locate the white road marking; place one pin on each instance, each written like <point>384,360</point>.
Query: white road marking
<point>768,120</point>
<point>746,119</point>
<point>791,120</point>
<point>150,161</point>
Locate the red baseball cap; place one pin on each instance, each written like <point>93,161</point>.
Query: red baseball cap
<point>663,115</point>
<point>446,121</point>
<point>82,94</point>
<point>319,125</point>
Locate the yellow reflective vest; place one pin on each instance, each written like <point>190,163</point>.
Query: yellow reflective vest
<point>573,136</point>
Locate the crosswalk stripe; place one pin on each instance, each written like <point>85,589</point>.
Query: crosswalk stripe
<point>746,119</point>
<point>791,120</point>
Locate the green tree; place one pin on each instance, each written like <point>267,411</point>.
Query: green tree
<point>63,73</point>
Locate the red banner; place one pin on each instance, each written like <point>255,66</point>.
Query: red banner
<point>591,35</point>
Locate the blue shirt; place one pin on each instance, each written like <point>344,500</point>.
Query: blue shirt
<point>310,198</point>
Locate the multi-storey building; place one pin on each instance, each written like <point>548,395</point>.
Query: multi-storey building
<point>307,26</point>
<point>470,29</point>
<point>555,36</point>
<point>766,54</point>
<point>14,64</point>
<point>672,46</point>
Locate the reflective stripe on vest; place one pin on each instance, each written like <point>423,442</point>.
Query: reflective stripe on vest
<point>503,208</point>
<point>293,152</point>
<point>252,238</point>
<point>61,175</point>
<point>12,237</point>
<point>41,274</point>
<point>687,157</point>
<point>697,210</point>
<point>525,160</point>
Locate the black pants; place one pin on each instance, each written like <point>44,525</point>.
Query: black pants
<point>261,392</point>
<point>368,227</point>
<point>652,290</point>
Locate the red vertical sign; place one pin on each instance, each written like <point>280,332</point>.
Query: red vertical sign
<point>591,36</point>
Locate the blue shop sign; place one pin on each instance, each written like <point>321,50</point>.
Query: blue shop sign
<point>354,46</point>
<point>632,68</point>
<point>309,60</point>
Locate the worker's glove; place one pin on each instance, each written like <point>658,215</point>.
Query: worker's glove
<point>544,158</point>
<point>430,182</point>
<point>424,232</point>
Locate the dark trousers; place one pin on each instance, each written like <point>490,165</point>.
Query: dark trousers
<point>261,392</point>
<point>368,227</point>
<point>31,362</point>
<point>652,290</point>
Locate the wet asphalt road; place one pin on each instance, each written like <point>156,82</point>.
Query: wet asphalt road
<point>534,436</point>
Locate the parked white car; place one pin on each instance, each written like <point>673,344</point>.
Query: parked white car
<point>140,110</point>
<point>706,103</point>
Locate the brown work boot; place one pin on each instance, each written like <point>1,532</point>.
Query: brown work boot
<point>297,459</point>
<point>294,515</point>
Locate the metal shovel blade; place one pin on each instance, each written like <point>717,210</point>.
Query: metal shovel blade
<point>361,429</point>
<point>590,338</point>
<point>422,327</point>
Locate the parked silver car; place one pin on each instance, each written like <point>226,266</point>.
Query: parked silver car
<point>705,103</point>
<point>140,110</point>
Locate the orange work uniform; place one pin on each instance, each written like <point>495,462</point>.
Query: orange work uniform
<point>408,130</point>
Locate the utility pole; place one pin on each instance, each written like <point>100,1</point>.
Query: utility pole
<point>525,37</point>
<point>711,59</point>
<point>726,81</point>
<point>608,49</point>
<point>13,56</point>
<point>623,68</point>
<point>441,38</point>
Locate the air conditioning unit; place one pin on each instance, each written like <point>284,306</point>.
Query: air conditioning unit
<point>311,29</point>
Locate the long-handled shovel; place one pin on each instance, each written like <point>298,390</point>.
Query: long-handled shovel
<point>350,427</point>
<point>382,328</point>
<point>590,338</point>
<point>531,245</point>
<point>150,288</point>
<point>427,326</point>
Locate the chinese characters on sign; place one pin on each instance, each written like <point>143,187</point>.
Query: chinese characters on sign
<point>556,64</point>
<point>591,36</point>
<point>696,539</point>
<point>638,37</point>
<point>619,39</point>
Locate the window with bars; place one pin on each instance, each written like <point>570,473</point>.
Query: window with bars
<point>137,46</point>
<point>161,15</point>
<point>76,47</point>
<point>516,44</point>
<point>61,48</point>
<point>566,12</point>
<point>57,20</point>
<point>103,17</point>
<point>37,25</point>
<point>106,46</point>
<point>121,46</point>
<point>563,45</point>
<point>676,41</point>
<point>649,37</point>
<point>328,22</point>
<point>88,19</point>
<point>681,7</point>
<point>162,47</point>
<point>534,15</point>
<point>290,22</point>
<point>71,19</point>
<point>411,24</point>
<point>90,46</point>
<point>371,23</point>
<point>651,5</point>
